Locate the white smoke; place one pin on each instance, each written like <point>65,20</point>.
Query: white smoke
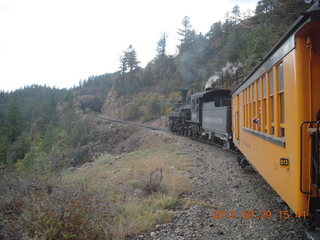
<point>228,69</point>
<point>212,80</point>
<point>231,68</point>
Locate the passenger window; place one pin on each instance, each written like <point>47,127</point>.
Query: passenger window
<point>281,99</point>
<point>271,82</point>
<point>259,89</point>
<point>264,86</point>
<point>264,104</point>
<point>280,77</point>
<point>244,100</point>
<point>270,105</point>
<point>254,91</point>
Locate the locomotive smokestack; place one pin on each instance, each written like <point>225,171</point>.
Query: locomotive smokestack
<point>183,95</point>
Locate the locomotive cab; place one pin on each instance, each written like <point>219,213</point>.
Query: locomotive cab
<point>211,116</point>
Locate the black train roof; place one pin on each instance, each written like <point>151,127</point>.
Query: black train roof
<point>212,92</point>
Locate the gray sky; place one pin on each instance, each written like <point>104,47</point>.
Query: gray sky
<point>62,41</point>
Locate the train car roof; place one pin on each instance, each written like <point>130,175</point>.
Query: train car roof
<point>285,44</point>
<point>211,93</point>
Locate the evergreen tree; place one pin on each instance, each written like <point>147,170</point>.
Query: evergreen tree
<point>265,6</point>
<point>235,14</point>
<point>50,114</point>
<point>13,121</point>
<point>123,65</point>
<point>162,44</point>
<point>186,27</point>
<point>131,58</point>
<point>215,36</point>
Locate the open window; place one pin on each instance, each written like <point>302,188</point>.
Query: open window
<point>281,100</point>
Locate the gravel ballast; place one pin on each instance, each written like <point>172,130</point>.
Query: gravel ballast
<point>219,184</point>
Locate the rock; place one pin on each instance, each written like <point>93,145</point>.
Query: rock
<point>220,233</point>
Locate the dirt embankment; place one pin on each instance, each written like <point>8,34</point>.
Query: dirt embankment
<point>113,104</point>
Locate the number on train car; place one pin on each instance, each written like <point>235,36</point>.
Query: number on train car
<point>284,162</point>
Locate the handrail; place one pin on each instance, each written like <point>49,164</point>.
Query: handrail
<point>301,148</point>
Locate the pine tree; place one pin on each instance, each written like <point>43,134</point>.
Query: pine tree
<point>123,64</point>
<point>186,27</point>
<point>236,14</point>
<point>265,6</point>
<point>188,35</point>
<point>13,121</point>
<point>162,44</point>
<point>215,36</point>
<point>131,58</point>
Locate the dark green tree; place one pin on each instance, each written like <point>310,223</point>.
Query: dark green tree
<point>235,14</point>
<point>50,114</point>
<point>215,37</point>
<point>186,27</point>
<point>13,121</point>
<point>123,65</point>
<point>265,6</point>
<point>162,44</point>
<point>131,59</point>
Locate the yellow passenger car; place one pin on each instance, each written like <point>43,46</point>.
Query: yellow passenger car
<point>272,110</point>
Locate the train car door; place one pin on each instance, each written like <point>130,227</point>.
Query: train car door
<point>313,46</point>
<point>236,117</point>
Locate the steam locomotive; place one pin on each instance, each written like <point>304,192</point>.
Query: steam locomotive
<point>205,115</point>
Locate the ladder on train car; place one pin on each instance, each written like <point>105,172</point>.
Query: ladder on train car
<point>315,171</point>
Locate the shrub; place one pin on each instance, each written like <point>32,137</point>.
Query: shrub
<point>90,102</point>
<point>155,108</point>
<point>19,148</point>
<point>132,112</point>
<point>35,209</point>
<point>155,184</point>
<point>72,213</point>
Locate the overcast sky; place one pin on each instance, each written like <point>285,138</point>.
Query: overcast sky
<point>59,42</point>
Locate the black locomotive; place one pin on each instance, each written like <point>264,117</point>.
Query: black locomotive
<point>205,115</point>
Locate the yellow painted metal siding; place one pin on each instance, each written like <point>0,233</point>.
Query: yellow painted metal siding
<point>265,156</point>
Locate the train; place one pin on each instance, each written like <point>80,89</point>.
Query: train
<point>206,115</point>
<point>271,118</point>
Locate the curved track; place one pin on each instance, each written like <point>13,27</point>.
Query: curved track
<point>134,124</point>
<point>163,130</point>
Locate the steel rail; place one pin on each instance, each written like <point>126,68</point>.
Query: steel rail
<point>133,124</point>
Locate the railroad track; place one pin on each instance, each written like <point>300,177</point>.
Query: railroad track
<point>134,124</point>
<point>164,130</point>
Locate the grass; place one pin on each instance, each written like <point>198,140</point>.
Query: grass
<point>107,200</point>
<point>121,180</point>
